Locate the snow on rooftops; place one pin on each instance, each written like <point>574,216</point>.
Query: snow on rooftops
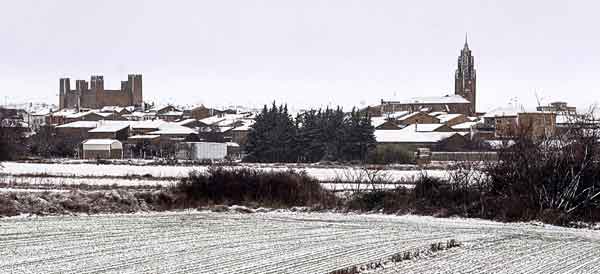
<point>465,125</point>
<point>109,127</point>
<point>100,142</point>
<point>112,109</point>
<point>42,112</point>
<point>397,114</point>
<point>246,126</point>
<point>447,99</point>
<point>186,121</point>
<point>437,113</point>
<point>64,112</point>
<point>142,137</point>
<point>80,124</point>
<point>172,113</point>
<point>148,124</point>
<point>422,127</point>
<point>401,136</point>
<point>444,118</point>
<point>504,112</point>
<point>223,119</point>
<point>172,129</point>
<point>378,121</point>
<point>79,114</point>
<point>409,116</point>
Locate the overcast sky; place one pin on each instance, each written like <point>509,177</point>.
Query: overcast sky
<point>305,53</point>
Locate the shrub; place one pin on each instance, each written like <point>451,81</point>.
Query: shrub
<point>245,185</point>
<point>549,179</point>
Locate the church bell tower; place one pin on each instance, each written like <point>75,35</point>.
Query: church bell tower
<point>465,78</point>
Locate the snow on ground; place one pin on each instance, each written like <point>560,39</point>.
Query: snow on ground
<point>323,174</point>
<point>4,189</point>
<point>74,181</point>
<point>284,242</point>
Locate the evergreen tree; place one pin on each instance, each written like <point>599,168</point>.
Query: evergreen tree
<point>313,136</point>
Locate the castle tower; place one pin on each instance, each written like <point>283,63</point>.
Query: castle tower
<point>97,87</point>
<point>135,87</point>
<point>64,89</point>
<point>465,78</point>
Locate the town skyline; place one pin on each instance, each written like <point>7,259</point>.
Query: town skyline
<point>221,54</point>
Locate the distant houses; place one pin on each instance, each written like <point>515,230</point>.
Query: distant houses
<point>151,132</point>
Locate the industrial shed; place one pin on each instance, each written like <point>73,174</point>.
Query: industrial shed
<point>102,149</point>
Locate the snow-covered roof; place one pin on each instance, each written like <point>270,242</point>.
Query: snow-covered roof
<point>397,114</point>
<point>436,113</point>
<point>80,114</point>
<point>109,128</point>
<point>172,113</point>
<point>147,137</point>
<point>378,121</point>
<point>444,118</point>
<point>401,136</point>
<point>422,127</point>
<point>104,114</point>
<point>42,112</point>
<point>503,112</point>
<point>409,116</point>
<point>112,109</point>
<point>447,99</point>
<point>100,142</point>
<point>64,112</point>
<point>465,125</point>
<point>172,129</point>
<point>223,119</point>
<point>135,114</point>
<point>245,126</point>
<point>80,124</point>
<point>148,124</point>
<point>212,120</point>
<point>186,121</point>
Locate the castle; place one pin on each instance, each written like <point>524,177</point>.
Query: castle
<point>462,101</point>
<point>95,96</point>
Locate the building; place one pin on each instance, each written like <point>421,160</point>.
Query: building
<point>77,131</point>
<point>102,149</point>
<point>93,94</point>
<point>462,101</point>
<point>417,118</point>
<point>446,103</point>
<point>117,131</point>
<point>38,119</point>
<point>510,122</point>
<point>411,140</point>
<point>537,124</point>
<point>201,112</point>
<point>453,119</point>
<point>561,108</point>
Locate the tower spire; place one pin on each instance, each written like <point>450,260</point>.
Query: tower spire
<point>466,44</point>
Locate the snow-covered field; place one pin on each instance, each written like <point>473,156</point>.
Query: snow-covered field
<point>324,174</point>
<point>74,181</point>
<point>284,242</point>
<point>146,175</point>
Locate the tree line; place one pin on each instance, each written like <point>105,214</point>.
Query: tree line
<point>312,136</point>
